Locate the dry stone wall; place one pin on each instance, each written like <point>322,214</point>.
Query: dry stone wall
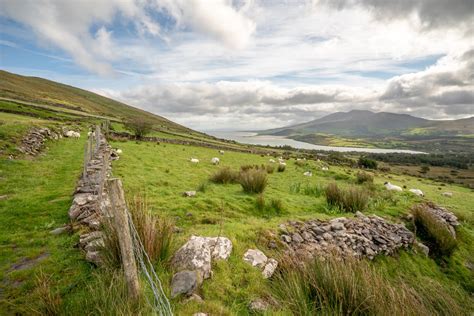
<point>33,142</point>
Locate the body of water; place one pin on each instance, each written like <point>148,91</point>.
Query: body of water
<point>254,139</point>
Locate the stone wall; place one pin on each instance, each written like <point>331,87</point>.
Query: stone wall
<point>33,142</point>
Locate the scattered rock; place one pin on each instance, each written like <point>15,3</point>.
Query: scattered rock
<point>448,194</point>
<point>195,297</point>
<point>60,230</point>
<point>256,258</point>
<point>270,268</point>
<point>258,305</point>
<point>189,193</point>
<point>184,282</point>
<point>422,248</point>
<point>33,142</point>
<point>27,263</point>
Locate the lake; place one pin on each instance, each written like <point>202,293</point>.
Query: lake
<point>255,139</point>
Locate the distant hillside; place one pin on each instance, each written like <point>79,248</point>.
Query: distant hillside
<point>45,92</point>
<point>369,124</point>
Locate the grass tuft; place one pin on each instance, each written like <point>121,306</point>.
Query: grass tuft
<point>364,177</point>
<point>224,176</point>
<point>253,181</point>
<point>281,168</point>
<point>349,200</point>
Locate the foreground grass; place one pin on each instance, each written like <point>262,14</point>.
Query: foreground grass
<point>164,172</point>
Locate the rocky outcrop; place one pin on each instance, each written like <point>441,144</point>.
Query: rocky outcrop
<point>196,256</point>
<point>363,236</point>
<point>258,259</point>
<point>444,216</point>
<point>33,142</point>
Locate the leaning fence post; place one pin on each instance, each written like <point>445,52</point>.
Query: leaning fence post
<point>86,161</point>
<point>120,214</point>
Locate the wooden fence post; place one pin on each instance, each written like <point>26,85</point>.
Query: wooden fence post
<point>86,161</point>
<point>119,211</point>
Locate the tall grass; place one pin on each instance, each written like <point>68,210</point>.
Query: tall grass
<point>156,233</point>
<point>253,181</point>
<point>49,301</point>
<point>224,176</point>
<point>332,286</point>
<point>348,200</point>
<point>274,207</point>
<point>436,232</point>
<point>281,168</point>
<point>364,177</point>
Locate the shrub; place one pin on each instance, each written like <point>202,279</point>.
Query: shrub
<point>367,163</point>
<point>224,175</point>
<point>354,199</point>
<point>246,167</point>
<point>138,126</point>
<point>334,195</point>
<point>349,200</point>
<point>281,168</point>
<point>424,169</point>
<point>269,169</point>
<point>332,286</point>
<point>363,177</point>
<point>253,181</point>
<point>434,231</point>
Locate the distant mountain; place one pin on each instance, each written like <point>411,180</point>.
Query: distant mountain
<point>358,123</point>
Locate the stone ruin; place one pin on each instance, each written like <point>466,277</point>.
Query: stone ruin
<point>33,142</point>
<point>360,237</point>
<point>444,216</point>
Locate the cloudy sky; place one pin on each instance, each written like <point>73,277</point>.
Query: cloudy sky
<point>222,64</point>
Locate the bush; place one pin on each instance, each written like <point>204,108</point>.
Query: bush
<point>138,126</point>
<point>253,181</point>
<point>436,232</point>
<point>355,199</point>
<point>349,200</point>
<point>224,175</point>
<point>367,163</point>
<point>332,286</point>
<point>281,168</point>
<point>334,195</point>
<point>363,177</point>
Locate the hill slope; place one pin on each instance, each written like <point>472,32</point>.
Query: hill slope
<point>67,98</point>
<point>367,123</point>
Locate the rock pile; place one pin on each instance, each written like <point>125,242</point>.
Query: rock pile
<point>444,216</point>
<point>34,141</point>
<point>193,262</point>
<point>91,200</point>
<point>258,259</point>
<point>363,236</point>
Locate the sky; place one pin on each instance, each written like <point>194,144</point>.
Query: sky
<point>250,64</point>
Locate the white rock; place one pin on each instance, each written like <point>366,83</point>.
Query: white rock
<point>270,268</point>
<point>194,160</point>
<point>448,194</point>
<point>324,168</point>
<point>118,151</point>
<point>256,258</point>
<point>271,160</point>
<point>189,193</point>
<point>308,174</point>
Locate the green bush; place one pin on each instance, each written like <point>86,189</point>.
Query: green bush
<point>253,181</point>
<point>224,176</point>
<point>281,167</point>
<point>349,200</point>
<point>367,163</point>
<point>434,231</point>
<point>364,177</point>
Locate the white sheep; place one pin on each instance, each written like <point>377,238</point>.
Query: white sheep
<point>283,163</point>
<point>392,187</point>
<point>73,134</point>
<point>448,194</point>
<point>215,161</point>
<point>271,160</point>
<point>221,152</point>
<point>89,134</point>
<point>308,174</point>
<point>417,192</point>
<point>194,160</point>
<point>118,151</point>
<point>324,168</point>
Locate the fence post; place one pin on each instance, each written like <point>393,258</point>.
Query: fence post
<point>119,210</point>
<point>86,161</point>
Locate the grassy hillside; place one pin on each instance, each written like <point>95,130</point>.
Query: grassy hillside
<point>38,91</point>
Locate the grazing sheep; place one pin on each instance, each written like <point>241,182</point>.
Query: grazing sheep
<point>194,160</point>
<point>89,134</point>
<point>392,187</point>
<point>417,192</point>
<point>324,168</point>
<point>308,174</point>
<point>448,194</point>
<point>283,163</point>
<point>118,151</point>
<point>271,160</point>
<point>73,134</point>
<point>215,161</point>
<point>221,152</point>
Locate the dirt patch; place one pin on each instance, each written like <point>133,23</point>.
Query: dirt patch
<point>27,263</point>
